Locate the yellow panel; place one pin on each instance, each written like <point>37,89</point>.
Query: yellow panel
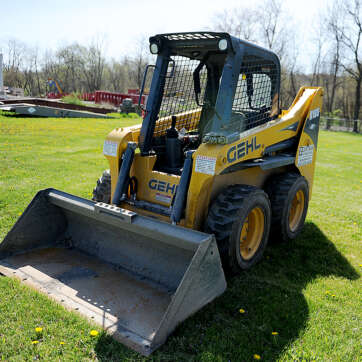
<point>308,142</point>
<point>153,186</point>
<point>120,136</point>
<point>188,120</point>
<point>209,161</point>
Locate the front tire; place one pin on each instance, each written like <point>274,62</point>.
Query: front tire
<point>289,197</point>
<point>240,219</point>
<point>102,192</point>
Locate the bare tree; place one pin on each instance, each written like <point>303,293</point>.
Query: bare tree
<point>139,62</point>
<point>33,85</point>
<point>93,63</point>
<point>52,68</point>
<point>14,58</point>
<point>70,59</point>
<point>328,62</point>
<point>274,32</point>
<point>114,76</point>
<point>351,33</point>
<point>264,23</point>
<point>320,42</point>
<point>240,22</point>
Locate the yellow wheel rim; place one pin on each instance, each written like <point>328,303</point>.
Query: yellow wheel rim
<point>296,210</point>
<point>252,233</point>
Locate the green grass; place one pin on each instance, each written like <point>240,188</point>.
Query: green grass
<point>73,99</point>
<point>308,291</point>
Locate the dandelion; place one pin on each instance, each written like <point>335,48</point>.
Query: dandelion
<point>93,333</point>
<point>241,310</point>
<point>328,292</point>
<point>333,295</point>
<point>62,343</point>
<point>38,329</point>
<point>34,342</point>
<point>256,356</point>
<point>275,333</point>
<point>360,265</point>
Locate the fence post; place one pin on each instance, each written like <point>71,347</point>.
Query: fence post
<point>355,126</point>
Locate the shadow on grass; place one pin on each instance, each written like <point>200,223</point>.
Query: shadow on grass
<point>271,295</point>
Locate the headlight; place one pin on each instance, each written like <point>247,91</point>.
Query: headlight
<point>223,44</point>
<point>154,48</point>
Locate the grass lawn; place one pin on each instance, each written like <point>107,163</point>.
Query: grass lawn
<point>307,291</point>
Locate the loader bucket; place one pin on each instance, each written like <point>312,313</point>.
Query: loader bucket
<point>135,276</point>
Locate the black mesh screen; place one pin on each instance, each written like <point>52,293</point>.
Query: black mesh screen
<point>179,96</point>
<point>254,94</point>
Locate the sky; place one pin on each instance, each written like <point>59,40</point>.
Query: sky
<point>122,23</point>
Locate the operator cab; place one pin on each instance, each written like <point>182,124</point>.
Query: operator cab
<point>206,87</point>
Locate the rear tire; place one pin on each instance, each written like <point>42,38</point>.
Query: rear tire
<point>240,219</point>
<point>289,197</point>
<point>102,192</point>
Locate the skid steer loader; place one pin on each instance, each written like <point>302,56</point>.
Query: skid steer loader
<point>213,172</point>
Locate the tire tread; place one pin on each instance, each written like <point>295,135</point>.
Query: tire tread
<point>223,213</point>
<point>278,189</point>
<point>102,191</point>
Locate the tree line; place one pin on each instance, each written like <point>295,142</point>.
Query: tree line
<point>76,67</point>
<point>336,61</point>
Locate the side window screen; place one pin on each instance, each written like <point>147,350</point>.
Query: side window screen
<point>253,96</point>
<point>262,91</point>
<point>258,96</point>
<point>179,95</point>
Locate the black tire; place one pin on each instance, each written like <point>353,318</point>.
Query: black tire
<point>227,218</point>
<point>282,190</point>
<point>102,192</point>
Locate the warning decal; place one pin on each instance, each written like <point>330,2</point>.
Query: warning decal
<point>205,164</point>
<point>163,198</point>
<point>305,155</point>
<point>110,148</point>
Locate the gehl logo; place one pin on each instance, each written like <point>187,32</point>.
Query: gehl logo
<point>242,149</point>
<point>162,186</point>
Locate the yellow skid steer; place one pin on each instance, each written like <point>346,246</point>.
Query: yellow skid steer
<point>214,171</point>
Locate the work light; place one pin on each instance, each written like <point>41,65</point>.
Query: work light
<point>223,44</point>
<point>154,48</point>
